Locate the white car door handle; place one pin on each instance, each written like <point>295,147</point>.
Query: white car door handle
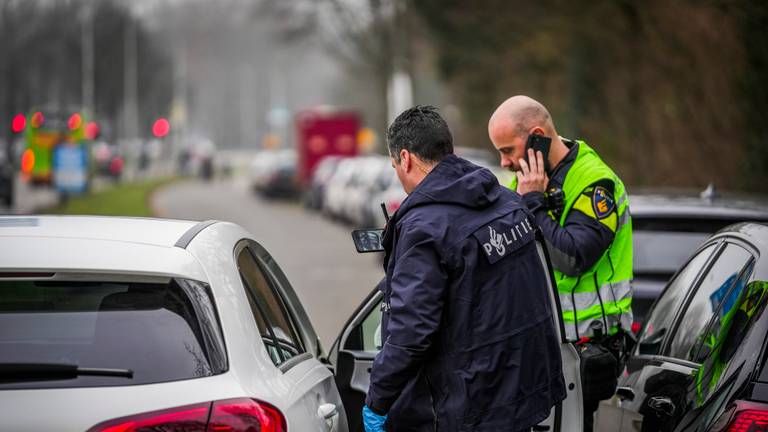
<point>330,414</point>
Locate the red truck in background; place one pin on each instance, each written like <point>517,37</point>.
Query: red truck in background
<point>321,133</point>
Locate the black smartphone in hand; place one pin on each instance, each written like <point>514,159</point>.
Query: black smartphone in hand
<point>539,143</point>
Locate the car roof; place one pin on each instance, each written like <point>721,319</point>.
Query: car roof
<point>158,232</point>
<point>687,205</point>
<point>98,244</point>
<point>753,232</point>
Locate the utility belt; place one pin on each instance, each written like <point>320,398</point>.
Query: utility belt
<point>602,359</point>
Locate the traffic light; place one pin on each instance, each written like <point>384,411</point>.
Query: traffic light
<point>19,123</point>
<point>161,128</point>
<point>92,130</point>
<point>75,121</point>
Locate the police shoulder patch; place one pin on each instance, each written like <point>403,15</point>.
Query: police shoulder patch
<point>603,203</point>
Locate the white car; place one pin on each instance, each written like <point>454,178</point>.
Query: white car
<point>137,324</point>
<point>374,172</point>
<point>391,196</point>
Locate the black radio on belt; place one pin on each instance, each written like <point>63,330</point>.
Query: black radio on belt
<point>556,201</point>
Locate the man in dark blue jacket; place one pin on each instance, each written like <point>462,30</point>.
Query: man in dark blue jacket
<point>467,319</point>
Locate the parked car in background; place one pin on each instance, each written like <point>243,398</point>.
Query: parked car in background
<point>370,181</point>
<point>700,361</point>
<point>313,197</point>
<point>391,192</point>
<point>478,156</point>
<point>7,179</point>
<point>107,160</point>
<point>668,227</point>
<point>344,177</point>
<point>391,195</point>
<point>273,173</point>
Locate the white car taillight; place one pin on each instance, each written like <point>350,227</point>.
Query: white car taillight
<point>230,415</point>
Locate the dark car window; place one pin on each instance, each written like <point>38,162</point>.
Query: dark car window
<point>702,225</point>
<point>710,294</point>
<point>658,322</point>
<point>729,306</point>
<point>272,317</point>
<point>159,331</point>
<point>728,332</point>
<point>663,252</point>
<point>662,244</point>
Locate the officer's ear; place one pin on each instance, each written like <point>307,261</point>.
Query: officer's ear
<point>537,130</point>
<point>406,163</point>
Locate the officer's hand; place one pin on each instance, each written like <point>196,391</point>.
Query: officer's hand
<point>533,177</point>
<point>372,421</point>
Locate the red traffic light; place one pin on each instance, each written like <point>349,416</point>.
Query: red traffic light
<point>161,128</point>
<point>92,130</point>
<point>19,123</point>
<point>75,121</point>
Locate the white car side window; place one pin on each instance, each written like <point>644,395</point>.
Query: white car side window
<point>275,325</point>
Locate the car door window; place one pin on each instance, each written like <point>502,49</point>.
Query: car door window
<point>728,331</point>
<point>365,334</point>
<point>371,331</point>
<point>660,319</point>
<point>713,289</point>
<point>269,311</point>
<point>723,318</point>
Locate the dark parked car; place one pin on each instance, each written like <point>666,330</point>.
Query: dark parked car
<point>7,174</point>
<point>667,228</point>
<point>273,173</point>
<point>700,362</point>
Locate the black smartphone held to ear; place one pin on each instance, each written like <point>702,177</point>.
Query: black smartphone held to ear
<point>539,143</point>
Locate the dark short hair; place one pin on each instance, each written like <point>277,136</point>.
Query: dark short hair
<point>421,131</point>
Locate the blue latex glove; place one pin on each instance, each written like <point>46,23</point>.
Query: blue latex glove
<point>372,421</point>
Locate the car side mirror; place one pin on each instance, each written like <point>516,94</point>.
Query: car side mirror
<point>368,240</point>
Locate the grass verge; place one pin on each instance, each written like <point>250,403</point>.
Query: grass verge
<point>129,199</point>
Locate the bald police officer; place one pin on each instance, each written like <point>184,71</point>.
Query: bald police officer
<point>582,208</point>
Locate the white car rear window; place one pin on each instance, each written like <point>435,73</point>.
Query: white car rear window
<point>84,334</point>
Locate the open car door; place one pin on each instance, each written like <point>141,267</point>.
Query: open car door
<point>353,352</point>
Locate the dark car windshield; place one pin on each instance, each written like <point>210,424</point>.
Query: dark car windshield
<point>663,252</point>
<point>662,245</point>
<point>158,331</point>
